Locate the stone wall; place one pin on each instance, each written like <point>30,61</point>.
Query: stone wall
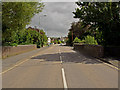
<point>12,50</point>
<point>92,50</point>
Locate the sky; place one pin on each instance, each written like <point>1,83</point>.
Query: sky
<point>55,19</point>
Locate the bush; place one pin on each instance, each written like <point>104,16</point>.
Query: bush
<point>90,40</point>
<point>24,37</point>
<point>13,44</point>
<point>59,42</point>
<point>56,42</point>
<point>62,41</point>
<point>76,40</point>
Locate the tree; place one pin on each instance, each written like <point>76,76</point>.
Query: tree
<point>103,18</point>
<point>56,41</point>
<point>59,42</point>
<point>69,41</point>
<point>15,17</point>
<point>79,30</point>
<point>43,37</point>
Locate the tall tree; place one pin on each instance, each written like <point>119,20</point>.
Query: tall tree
<point>102,17</point>
<point>15,17</point>
<point>79,30</point>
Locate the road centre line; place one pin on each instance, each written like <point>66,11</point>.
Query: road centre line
<point>61,59</point>
<point>63,74</point>
<point>59,51</point>
<point>64,79</point>
<point>60,55</point>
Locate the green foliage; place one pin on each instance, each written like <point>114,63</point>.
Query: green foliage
<point>59,42</point>
<point>15,17</point>
<point>79,30</point>
<point>90,40</point>
<point>56,41</point>
<point>62,41</point>
<point>69,41</point>
<point>103,18</point>
<point>13,44</point>
<point>76,40</point>
<point>52,42</point>
<point>25,36</point>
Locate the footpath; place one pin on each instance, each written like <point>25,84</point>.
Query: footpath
<point>10,61</point>
<point>113,61</point>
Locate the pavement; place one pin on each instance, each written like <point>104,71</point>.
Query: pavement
<point>10,61</point>
<point>57,67</point>
<point>111,60</point>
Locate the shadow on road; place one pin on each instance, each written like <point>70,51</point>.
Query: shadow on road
<point>68,57</point>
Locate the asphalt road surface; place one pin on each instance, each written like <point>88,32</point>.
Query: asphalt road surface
<point>59,67</point>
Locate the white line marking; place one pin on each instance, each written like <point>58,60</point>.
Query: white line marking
<point>109,65</point>
<point>112,66</point>
<point>64,79</point>
<point>13,66</point>
<point>60,55</point>
<point>61,59</point>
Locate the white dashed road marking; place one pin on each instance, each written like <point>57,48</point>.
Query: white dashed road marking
<point>64,79</point>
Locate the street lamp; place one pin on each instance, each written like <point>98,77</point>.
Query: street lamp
<point>39,25</point>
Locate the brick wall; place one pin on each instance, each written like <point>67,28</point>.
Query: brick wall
<point>92,50</point>
<point>12,50</point>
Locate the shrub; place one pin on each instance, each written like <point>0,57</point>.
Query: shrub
<point>62,41</point>
<point>13,44</point>
<point>90,40</point>
<point>76,40</point>
<point>56,42</point>
<point>59,42</point>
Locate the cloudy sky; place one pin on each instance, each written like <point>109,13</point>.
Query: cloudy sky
<point>58,18</point>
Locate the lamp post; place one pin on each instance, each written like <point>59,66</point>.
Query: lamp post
<point>39,25</point>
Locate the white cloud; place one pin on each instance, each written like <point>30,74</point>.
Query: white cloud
<point>58,19</point>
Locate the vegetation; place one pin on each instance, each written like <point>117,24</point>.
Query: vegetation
<point>76,40</point>
<point>27,36</point>
<point>59,42</point>
<point>14,21</point>
<point>16,15</point>
<point>103,19</point>
<point>56,40</point>
<point>70,41</point>
<point>90,40</point>
<point>77,30</point>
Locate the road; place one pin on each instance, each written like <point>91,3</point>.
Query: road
<point>59,67</point>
